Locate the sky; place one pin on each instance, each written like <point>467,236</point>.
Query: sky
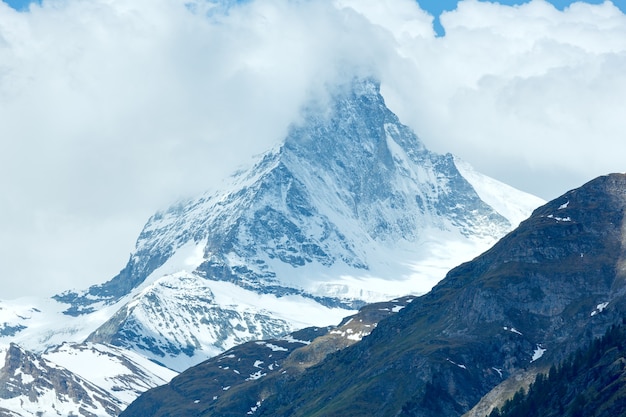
<point>111,110</point>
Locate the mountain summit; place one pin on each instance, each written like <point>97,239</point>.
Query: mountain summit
<point>351,208</point>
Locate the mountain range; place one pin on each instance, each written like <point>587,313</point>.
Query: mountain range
<point>349,210</point>
<point>544,291</point>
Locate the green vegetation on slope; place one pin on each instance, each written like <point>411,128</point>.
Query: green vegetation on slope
<point>590,383</point>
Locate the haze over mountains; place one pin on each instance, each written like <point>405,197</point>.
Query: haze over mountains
<point>350,209</point>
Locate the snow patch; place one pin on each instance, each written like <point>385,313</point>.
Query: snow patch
<point>276,348</point>
<point>27,379</point>
<point>599,308</point>
<point>273,347</point>
<point>513,330</point>
<point>291,339</point>
<point>257,375</point>
<point>254,408</point>
<point>538,353</point>
<point>457,364</point>
<point>559,219</point>
<point>350,334</point>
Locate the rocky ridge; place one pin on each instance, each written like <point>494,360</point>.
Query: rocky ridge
<point>546,289</point>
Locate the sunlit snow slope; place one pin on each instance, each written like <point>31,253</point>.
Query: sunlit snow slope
<point>86,379</point>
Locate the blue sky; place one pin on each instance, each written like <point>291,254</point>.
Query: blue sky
<point>434,7</point>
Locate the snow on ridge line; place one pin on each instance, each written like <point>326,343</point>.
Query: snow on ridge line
<point>45,325</point>
<point>515,205</point>
<point>106,366</point>
<point>185,258</point>
<point>300,310</point>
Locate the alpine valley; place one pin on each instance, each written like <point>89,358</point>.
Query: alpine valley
<point>350,216</point>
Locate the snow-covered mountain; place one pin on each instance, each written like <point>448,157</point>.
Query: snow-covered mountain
<point>350,208</point>
<point>84,379</point>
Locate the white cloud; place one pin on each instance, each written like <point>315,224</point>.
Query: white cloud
<point>111,109</point>
<point>528,94</point>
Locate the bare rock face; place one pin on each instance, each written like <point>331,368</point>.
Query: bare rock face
<point>544,290</point>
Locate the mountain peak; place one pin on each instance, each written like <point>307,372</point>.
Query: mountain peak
<point>355,119</point>
<point>351,209</point>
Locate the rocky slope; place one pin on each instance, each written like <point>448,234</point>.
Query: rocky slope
<point>230,380</point>
<point>590,383</point>
<point>546,289</point>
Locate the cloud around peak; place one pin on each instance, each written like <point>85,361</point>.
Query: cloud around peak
<point>110,109</point>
